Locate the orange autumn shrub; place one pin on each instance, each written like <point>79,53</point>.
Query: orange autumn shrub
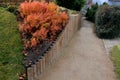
<point>40,21</point>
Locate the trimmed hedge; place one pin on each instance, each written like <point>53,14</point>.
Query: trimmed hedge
<point>108,22</point>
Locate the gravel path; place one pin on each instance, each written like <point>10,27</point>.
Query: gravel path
<point>84,59</point>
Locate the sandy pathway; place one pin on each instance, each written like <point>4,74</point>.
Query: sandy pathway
<point>84,59</point>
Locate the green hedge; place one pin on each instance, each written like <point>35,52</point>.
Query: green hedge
<point>71,4</point>
<point>90,15</point>
<point>91,12</point>
<point>108,22</point>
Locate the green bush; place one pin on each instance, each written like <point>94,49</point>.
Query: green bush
<point>74,4</point>
<point>108,22</point>
<point>90,15</point>
<point>91,12</point>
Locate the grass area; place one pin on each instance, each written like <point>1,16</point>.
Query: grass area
<point>115,55</point>
<point>10,47</point>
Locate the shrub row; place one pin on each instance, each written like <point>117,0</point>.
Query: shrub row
<point>106,18</point>
<point>90,15</point>
<point>107,22</point>
<point>91,12</point>
<point>74,4</point>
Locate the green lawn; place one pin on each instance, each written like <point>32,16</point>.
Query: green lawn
<point>115,55</point>
<point>10,47</point>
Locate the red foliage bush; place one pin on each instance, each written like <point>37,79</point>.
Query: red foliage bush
<point>40,21</point>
